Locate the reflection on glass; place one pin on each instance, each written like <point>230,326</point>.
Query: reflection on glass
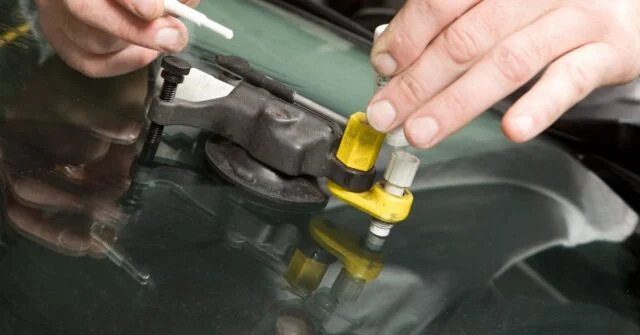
<point>67,143</point>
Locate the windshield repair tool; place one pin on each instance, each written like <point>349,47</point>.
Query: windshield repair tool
<point>260,138</point>
<point>387,202</point>
<point>179,9</point>
<point>266,145</point>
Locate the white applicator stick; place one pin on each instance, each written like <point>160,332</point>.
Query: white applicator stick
<point>179,9</point>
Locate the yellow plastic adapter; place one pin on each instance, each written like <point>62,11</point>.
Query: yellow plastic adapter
<point>359,149</point>
<point>360,144</point>
<point>305,273</point>
<point>376,202</point>
<point>358,262</point>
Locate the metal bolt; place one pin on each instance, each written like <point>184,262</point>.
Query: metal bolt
<point>174,71</point>
<point>377,235</point>
<point>347,287</point>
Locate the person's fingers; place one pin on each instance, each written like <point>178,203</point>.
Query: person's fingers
<point>95,66</point>
<point>451,54</point>
<point>163,33</point>
<point>114,170</point>
<point>95,200</point>
<point>105,123</point>
<point>61,234</point>
<point>85,36</point>
<point>565,83</point>
<point>62,143</point>
<point>505,68</point>
<point>37,194</point>
<point>408,34</point>
<point>112,109</point>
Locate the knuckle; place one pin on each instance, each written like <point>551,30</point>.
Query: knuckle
<point>579,78</point>
<point>514,63</point>
<point>411,88</point>
<point>125,30</point>
<point>459,45</point>
<point>455,105</point>
<point>403,44</point>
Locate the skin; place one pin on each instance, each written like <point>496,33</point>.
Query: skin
<point>65,158</point>
<point>452,60</point>
<point>104,38</point>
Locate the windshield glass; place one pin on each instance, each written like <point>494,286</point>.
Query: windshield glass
<point>501,239</point>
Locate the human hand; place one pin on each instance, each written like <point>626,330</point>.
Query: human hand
<point>56,204</point>
<point>103,38</point>
<point>452,60</point>
<point>65,156</point>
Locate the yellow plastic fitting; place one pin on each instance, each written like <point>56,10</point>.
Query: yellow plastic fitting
<point>304,272</point>
<point>376,202</point>
<point>360,144</point>
<point>359,149</point>
<point>358,262</point>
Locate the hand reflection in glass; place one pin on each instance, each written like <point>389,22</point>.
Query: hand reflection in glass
<point>66,145</point>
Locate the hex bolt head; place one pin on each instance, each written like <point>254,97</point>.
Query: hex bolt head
<point>176,66</point>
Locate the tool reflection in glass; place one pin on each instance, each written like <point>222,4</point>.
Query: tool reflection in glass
<point>118,257</point>
<point>306,271</point>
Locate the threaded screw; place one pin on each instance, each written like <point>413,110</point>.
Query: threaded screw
<point>174,70</point>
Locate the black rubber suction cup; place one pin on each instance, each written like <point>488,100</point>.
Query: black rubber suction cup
<point>237,167</point>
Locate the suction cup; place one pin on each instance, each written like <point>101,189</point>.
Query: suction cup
<point>236,166</point>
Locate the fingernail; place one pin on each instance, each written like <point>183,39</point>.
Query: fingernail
<point>70,241</point>
<point>423,130</point>
<point>134,131</point>
<point>381,115</point>
<point>170,40</point>
<point>146,8</point>
<point>385,64</point>
<point>524,123</point>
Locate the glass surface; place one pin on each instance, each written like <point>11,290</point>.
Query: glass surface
<point>310,58</point>
<point>503,238</point>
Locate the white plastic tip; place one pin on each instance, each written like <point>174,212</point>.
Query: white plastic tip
<point>397,139</point>
<point>179,9</point>
<point>218,28</point>
<point>402,169</point>
<point>379,30</point>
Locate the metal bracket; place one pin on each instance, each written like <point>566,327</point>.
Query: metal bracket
<point>283,137</point>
